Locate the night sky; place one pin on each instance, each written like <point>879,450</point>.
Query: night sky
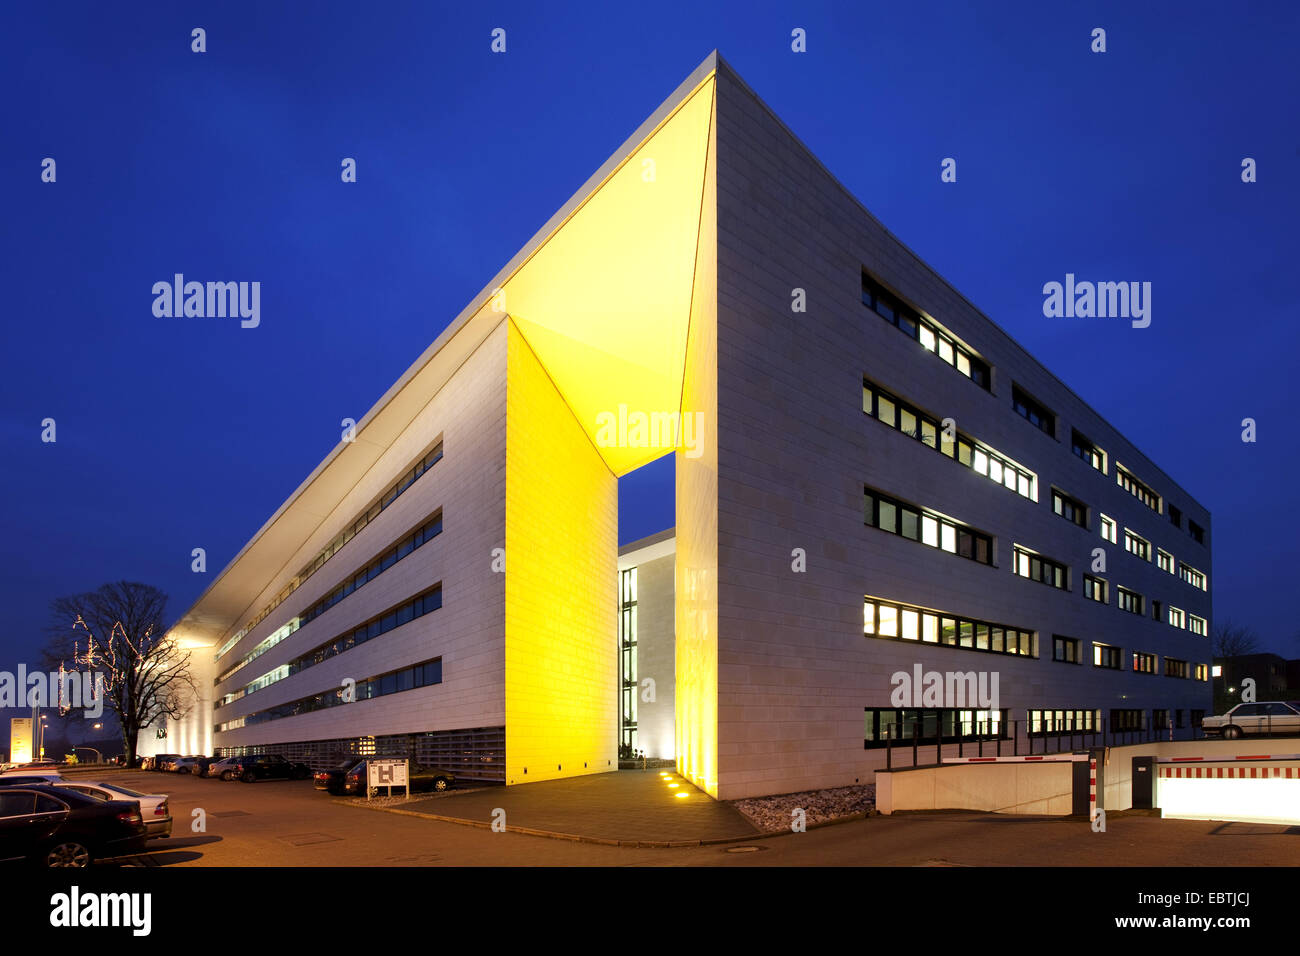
<point>176,433</point>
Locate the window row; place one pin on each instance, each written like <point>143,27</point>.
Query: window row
<point>1090,453</point>
<point>1193,577</point>
<point>1027,564</point>
<point>932,338</point>
<point>1071,509</point>
<point>427,461</point>
<point>917,524</point>
<point>924,726</point>
<point>1130,601</point>
<point>432,528</point>
<point>904,622</point>
<point>1137,545</point>
<point>1034,413</point>
<point>1043,722</point>
<point>418,606</point>
<point>1137,489</point>
<point>429,530</point>
<point>897,414</point>
<point>408,678</point>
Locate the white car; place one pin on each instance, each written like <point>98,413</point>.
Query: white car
<point>27,776</point>
<point>1262,717</point>
<point>153,806</point>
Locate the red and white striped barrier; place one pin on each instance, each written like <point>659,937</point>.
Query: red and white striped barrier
<point>1228,773</point>
<point>1040,758</point>
<point>1224,759</point>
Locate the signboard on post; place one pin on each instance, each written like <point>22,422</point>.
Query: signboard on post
<point>387,773</point>
<point>20,740</point>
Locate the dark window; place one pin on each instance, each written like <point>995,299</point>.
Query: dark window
<point>1089,452</point>
<point>1071,509</point>
<point>1144,663</point>
<point>1176,517</point>
<point>1034,413</point>
<point>1196,531</point>
<point>1130,601</point>
<point>924,726</point>
<point>1123,720</point>
<point>1066,649</point>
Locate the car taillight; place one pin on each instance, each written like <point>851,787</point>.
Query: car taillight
<point>160,810</point>
<point>131,817</point>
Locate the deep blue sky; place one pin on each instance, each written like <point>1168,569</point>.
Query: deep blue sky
<point>176,433</point>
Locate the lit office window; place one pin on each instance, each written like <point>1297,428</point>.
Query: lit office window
<point>1193,577</point>
<point>1130,601</point>
<point>898,414</point>
<point>1109,530</point>
<point>1137,489</point>
<point>1095,589</point>
<point>1137,545</point>
<point>931,336</point>
<point>1027,564</point>
<point>888,619</point>
<point>1107,656</point>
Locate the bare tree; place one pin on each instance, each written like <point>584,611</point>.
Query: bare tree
<point>1233,640</point>
<point>117,631</point>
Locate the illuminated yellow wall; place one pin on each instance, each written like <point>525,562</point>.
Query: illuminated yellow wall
<point>561,623</point>
<point>604,303</point>
<point>697,515</point>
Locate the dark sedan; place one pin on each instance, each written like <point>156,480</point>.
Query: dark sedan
<point>265,767</point>
<point>60,828</point>
<point>422,779</point>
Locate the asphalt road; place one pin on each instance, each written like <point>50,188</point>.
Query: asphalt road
<point>274,823</point>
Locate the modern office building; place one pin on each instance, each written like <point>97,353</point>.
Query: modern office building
<point>871,478</point>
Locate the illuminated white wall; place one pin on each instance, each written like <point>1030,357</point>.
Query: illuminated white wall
<point>1238,799</point>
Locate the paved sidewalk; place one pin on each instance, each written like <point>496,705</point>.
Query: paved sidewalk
<point>627,807</point>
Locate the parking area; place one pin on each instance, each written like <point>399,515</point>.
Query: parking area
<point>289,823</point>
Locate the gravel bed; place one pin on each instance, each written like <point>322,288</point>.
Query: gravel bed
<point>771,814</point>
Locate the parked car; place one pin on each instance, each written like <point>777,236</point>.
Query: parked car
<point>1263,717</point>
<point>55,827</point>
<point>153,806</point>
<point>218,767</point>
<point>422,779</point>
<point>186,764</point>
<point>158,761</point>
<point>331,779</point>
<point>21,778</point>
<point>265,767</point>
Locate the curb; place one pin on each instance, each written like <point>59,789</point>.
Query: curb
<point>606,841</point>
